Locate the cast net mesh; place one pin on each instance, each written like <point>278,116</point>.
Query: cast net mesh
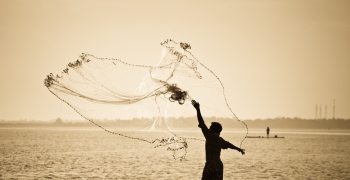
<point>149,104</point>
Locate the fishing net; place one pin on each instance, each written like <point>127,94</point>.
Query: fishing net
<point>148,103</point>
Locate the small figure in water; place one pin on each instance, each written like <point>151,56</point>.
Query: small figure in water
<point>267,132</point>
<point>213,168</point>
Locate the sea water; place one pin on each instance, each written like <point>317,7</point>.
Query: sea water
<point>90,153</point>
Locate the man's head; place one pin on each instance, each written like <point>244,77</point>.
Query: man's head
<point>216,127</point>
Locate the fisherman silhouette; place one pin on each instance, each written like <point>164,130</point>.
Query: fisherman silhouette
<point>267,132</point>
<point>213,168</point>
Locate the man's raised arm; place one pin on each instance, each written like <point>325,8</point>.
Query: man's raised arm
<point>199,115</point>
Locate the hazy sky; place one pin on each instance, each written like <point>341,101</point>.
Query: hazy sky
<point>275,58</point>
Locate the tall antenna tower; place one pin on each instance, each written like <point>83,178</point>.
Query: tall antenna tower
<point>325,112</point>
<point>320,112</point>
<point>333,109</point>
<point>316,113</point>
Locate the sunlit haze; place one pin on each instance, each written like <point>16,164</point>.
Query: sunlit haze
<point>274,58</point>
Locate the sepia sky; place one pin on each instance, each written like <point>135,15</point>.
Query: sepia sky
<point>275,58</point>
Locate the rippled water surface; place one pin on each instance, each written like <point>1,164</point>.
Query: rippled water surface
<point>92,153</point>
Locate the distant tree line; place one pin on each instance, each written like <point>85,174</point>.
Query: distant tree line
<point>298,123</point>
<point>190,122</point>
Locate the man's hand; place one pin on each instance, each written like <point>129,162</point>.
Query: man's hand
<point>195,104</point>
<point>242,151</point>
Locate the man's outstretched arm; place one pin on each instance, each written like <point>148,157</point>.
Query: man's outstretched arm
<point>231,146</point>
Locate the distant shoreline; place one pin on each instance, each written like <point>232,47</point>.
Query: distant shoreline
<point>276,123</point>
<point>253,133</point>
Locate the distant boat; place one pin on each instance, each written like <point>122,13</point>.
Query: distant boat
<point>264,137</point>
